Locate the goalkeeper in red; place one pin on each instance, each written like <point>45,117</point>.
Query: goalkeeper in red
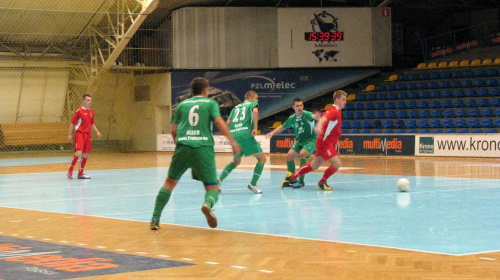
<point>328,130</point>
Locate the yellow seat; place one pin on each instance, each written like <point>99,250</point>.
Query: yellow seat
<point>442,64</point>
<point>392,78</point>
<point>432,65</point>
<point>422,65</point>
<point>496,61</point>
<point>464,63</point>
<point>350,97</point>
<point>275,125</point>
<point>369,88</point>
<point>453,63</point>
<point>475,62</point>
<point>259,132</point>
<point>327,106</point>
<point>487,61</point>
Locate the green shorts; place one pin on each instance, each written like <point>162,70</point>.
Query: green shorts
<point>201,160</point>
<point>248,144</point>
<point>310,147</point>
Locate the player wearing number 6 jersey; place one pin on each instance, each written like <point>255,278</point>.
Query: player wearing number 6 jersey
<point>191,129</point>
<point>243,122</point>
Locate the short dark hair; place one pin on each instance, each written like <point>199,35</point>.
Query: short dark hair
<point>297,100</point>
<point>86,95</point>
<point>198,85</point>
<point>316,110</point>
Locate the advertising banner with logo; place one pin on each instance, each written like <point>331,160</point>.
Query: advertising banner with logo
<point>394,145</point>
<point>276,89</point>
<point>164,142</point>
<point>483,145</point>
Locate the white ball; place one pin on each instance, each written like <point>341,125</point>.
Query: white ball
<point>403,184</point>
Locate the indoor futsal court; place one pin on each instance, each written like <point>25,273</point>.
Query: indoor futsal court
<point>445,227</point>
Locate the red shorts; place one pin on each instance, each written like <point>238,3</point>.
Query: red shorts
<point>82,142</point>
<point>326,153</point>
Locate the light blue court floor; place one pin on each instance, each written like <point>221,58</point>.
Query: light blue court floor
<point>442,215</point>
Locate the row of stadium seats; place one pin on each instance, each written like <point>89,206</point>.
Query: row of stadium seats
<point>415,76</point>
<point>437,84</point>
<point>456,63</point>
<point>424,113</point>
<point>415,131</point>
<point>424,94</point>
<point>422,123</point>
<point>423,104</point>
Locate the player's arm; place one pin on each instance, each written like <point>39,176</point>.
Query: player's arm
<point>96,130</point>
<point>255,116</point>
<point>174,131</point>
<point>70,131</point>
<point>275,131</point>
<point>222,126</point>
<point>319,126</point>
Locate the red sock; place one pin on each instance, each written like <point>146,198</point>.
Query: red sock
<point>328,172</point>
<point>82,166</point>
<point>303,170</point>
<point>72,164</point>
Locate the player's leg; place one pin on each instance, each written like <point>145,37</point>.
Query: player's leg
<point>257,171</point>
<point>77,147</point>
<point>335,164</point>
<point>290,157</point>
<point>230,167</point>
<point>203,166</point>
<point>307,150</point>
<point>85,155</point>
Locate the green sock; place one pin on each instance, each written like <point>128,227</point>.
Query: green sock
<point>256,173</point>
<point>291,166</point>
<point>161,200</point>
<point>211,197</point>
<point>227,170</point>
<point>302,162</point>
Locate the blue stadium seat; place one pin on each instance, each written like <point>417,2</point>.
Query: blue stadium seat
<point>392,96</point>
<point>447,123</point>
<point>389,105</point>
<point>361,96</point>
<point>399,123</point>
<point>404,77</point>
<point>344,131</point>
<point>348,116</point>
<point>371,97</point>
<point>422,104</point>
<point>463,130</point>
<point>421,85</point>
<point>497,123</point>
<point>470,103</point>
<point>495,102</point>
<point>400,131</point>
<point>435,94</point>
<point>455,84</point>
<point>442,75</point>
<point>423,124</point>
<point>359,106</point>
<point>355,125</point>
<point>381,96</point>
<point>380,87</point>
<point>413,131</point>
<point>478,83</point>
<point>410,124</point>
<point>477,130</point>
<point>491,130</point>
<point>388,124</point>
<point>491,72</point>
<point>413,114</point>
<point>376,124</point>
<point>424,114</point>
<point>446,94</point>
<point>497,112</point>
<point>413,95</point>
<point>411,86</point>
<point>483,102</point>
<point>461,113</point>
<point>470,92</point>
<point>446,103</point>
<point>349,107</point>
<point>425,131</point>
<point>358,115</point>
<point>479,73</point>
<point>490,82</point>
<point>449,113</point>
<point>400,86</point>
<point>424,94</point>
<point>458,93</point>
<point>413,77</point>
<point>377,131</point>
<point>437,113</point>
<point>450,130</point>
<point>366,124</point>
<point>402,95</point>
<point>388,131</point>
<point>456,74</point>
<point>459,123</point>
<point>434,104</point>
<point>379,106</point>
<point>482,92</point>
<point>412,104</point>
<point>435,123</point>
<point>466,83</point>
<point>437,131</point>
<point>432,84</point>
<point>467,74</point>
<point>390,114</point>
<point>380,115</point>
<point>400,105</point>
<point>473,123</point>
<point>355,131</point>
<point>444,84</point>
<point>423,76</point>
<point>346,124</point>
<point>369,115</point>
<point>390,87</point>
<point>365,131</point>
<point>474,112</point>
<point>457,103</point>
<point>486,122</point>
<point>369,106</point>
<point>401,114</point>
<point>495,92</point>
<point>487,112</point>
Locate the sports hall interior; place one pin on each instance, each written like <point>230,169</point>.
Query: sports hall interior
<point>443,81</point>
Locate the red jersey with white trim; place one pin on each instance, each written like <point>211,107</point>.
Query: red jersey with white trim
<point>331,130</point>
<point>83,120</point>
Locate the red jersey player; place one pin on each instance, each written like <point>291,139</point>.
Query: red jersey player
<point>83,121</point>
<point>328,130</point>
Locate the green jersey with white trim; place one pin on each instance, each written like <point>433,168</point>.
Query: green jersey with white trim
<point>242,117</point>
<point>303,126</point>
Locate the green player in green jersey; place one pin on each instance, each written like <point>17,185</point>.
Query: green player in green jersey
<point>194,148</point>
<point>243,122</point>
<point>302,123</point>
